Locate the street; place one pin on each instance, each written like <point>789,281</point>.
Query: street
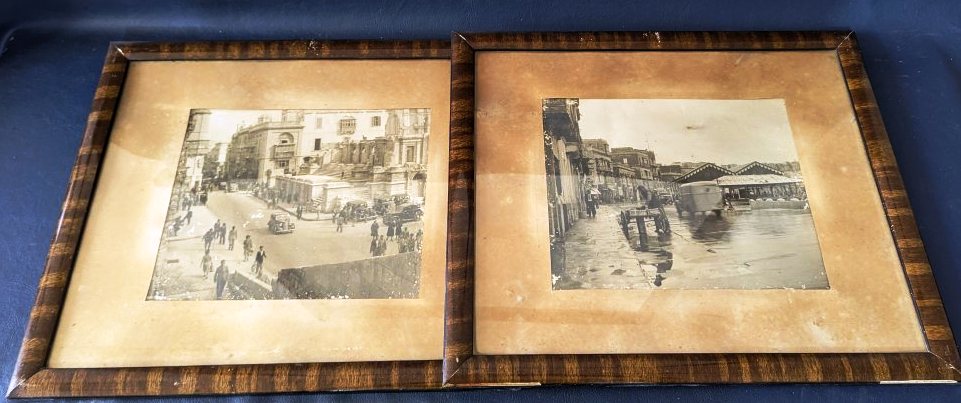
<point>774,248</point>
<point>179,274</point>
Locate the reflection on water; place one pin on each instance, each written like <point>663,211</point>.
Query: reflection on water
<point>768,248</point>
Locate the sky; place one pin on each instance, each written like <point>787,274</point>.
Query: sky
<point>693,130</point>
<point>223,122</point>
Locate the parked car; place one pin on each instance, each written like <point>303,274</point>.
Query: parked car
<point>357,210</point>
<point>405,213</point>
<point>280,223</point>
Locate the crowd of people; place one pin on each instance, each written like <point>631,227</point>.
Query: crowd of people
<point>219,240</point>
<point>219,235</point>
<point>406,241</point>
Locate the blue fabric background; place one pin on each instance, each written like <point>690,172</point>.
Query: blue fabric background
<point>53,50</point>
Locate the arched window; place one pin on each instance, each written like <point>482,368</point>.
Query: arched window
<point>286,138</point>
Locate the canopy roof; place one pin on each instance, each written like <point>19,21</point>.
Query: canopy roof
<point>755,180</point>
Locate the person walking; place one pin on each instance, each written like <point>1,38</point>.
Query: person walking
<point>223,233</point>
<point>382,246</point>
<point>206,264</point>
<point>391,225</point>
<point>248,247</point>
<point>208,239</point>
<point>232,237</point>
<point>589,201</point>
<point>190,214</point>
<point>259,261</point>
<point>220,278</point>
<point>300,211</point>
<point>375,229</point>
<point>340,222</point>
<point>374,246</point>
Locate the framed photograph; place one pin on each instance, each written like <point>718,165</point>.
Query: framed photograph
<point>680,207</point>
<point>251,217</point>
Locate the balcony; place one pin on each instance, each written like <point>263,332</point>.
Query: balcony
<point>283,151</point>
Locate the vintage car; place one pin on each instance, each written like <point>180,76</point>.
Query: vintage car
<point>280,223</point>
<point>699,197</point>
<point>357,210</point>
<point>405,213</point>
<point>388,204</point>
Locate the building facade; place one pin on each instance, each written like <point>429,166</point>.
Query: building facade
<point>196,147</point>
<point>326,158</point>
<point>565,166</point>
<point>600,168</point>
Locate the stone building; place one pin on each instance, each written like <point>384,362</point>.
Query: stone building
<point>600,171</point>
<point>329,157</point>
<point>641,160</point>
<point>196,147</point>
<point>565,166</point>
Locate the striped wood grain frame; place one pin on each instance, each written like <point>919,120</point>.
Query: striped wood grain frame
<point>32,378</point>
<point>463,368</point>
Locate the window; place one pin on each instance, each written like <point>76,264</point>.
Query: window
<point>282,164</point>
<point>347,126</point>
<point>319,123</point>
<point>316,144</point>
<point>286,138</point>
<point>375,121</point>
<point>410,153</point>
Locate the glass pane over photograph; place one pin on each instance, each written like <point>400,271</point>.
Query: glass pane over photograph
<point>296,204</point>
<point>676,194</point>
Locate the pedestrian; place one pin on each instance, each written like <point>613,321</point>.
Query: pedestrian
<point>375,229</point>
<point>382,246</point>
<point>220,278</point>
<point>233,237</point>
<point>589,201</point>
<point>248,247</point>
<point>190,214</point>
<point>391,225</point>
<point>418,239</point>
<point>300,211</point>
<point>340,223</point>
<point>208,239</point>
<point>259,260</point>
<point>206,264</point>
<point>374,246</point>
<point>223,233</point>
<point>176,226</point>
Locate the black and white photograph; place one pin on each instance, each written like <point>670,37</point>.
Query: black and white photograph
<point>296,204</point>
<point>677,194</point>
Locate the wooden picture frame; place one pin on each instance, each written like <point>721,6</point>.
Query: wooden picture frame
<point>463,367</point>
<point>33,378</point>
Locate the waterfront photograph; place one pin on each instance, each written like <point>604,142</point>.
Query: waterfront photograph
<point>677,194</point>
<point>296,204</point>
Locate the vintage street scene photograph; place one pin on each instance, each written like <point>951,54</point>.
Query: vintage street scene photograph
<point>677,194</point>
<point>296,204</point>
